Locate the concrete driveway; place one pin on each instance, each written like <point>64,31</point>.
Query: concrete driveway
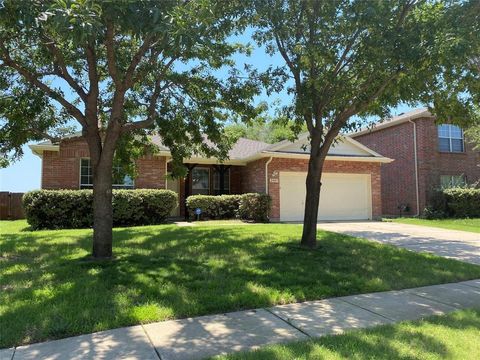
<point>460,245</point>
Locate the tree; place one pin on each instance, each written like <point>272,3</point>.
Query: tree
<point>345,59</point>
<point>264,128</point>
<point>121,70</point>
<point>454,94</point>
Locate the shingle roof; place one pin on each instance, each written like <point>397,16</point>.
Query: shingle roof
<point>244,148</point>
<point>395,120</point>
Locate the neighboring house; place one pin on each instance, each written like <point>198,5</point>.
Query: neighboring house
<point>427,156</point>
<point>351,180</point>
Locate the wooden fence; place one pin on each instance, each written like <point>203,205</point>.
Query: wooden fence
<point>11,206</point>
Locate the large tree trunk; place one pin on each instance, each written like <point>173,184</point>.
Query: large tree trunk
<point>101,161</point>
<point>102,211</point>
<point>312,200</point>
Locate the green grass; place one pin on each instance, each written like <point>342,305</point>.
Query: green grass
<point>49,288</point>
<point>453,336</point>
<point>472,225</point>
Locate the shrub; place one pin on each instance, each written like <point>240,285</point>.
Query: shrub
<point>252,206</point>
<point>214,207</point>
<point>454,202</point>
<point>61,209</point>
<point>463,202</point>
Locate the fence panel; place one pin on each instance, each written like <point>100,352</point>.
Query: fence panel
<point>11,206</point>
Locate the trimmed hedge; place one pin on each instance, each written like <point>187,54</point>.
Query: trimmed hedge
<point>454,202</point>
<point>63,209</point>
<point>251,206</point>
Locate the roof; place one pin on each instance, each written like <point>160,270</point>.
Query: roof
<point>396,120</point>
<point>246,150</point>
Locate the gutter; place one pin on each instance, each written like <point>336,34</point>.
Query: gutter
<point>266,174</point>
<point>416,164</point>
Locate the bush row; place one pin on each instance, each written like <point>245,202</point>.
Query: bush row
<point>454,202</point>
<point>251,206</point>
<point>57,209</point>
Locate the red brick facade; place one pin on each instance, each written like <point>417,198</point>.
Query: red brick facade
<point>398,177</point>
<point>61,170</point>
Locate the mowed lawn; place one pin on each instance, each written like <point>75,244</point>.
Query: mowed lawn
<point>453,336</point>
<point>50,289</point>
<point>472,225</point>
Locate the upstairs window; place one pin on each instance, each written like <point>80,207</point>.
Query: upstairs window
<point>449,181</point>
<point>450,138</point>
<point>120,178</point>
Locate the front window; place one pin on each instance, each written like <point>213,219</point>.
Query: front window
<point>450,138</point>
<point>200,181</point>
<point>121,180</point>
<point>226,182</point>
<point>449,181</point>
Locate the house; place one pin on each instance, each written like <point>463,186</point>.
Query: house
<point>351,180</point>
<point>427,155</point>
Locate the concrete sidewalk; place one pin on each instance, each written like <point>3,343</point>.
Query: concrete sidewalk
<point>205,336</point>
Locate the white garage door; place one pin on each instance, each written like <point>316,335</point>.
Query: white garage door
<point>342,196</point>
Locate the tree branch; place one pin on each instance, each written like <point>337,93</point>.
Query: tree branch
<point>136,60</point>
<point>62,71</point>
<point>111,61</point>
<point>92,97</point>
<point>45,135</point>
<point>32,78</point>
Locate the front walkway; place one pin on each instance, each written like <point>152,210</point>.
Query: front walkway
<point>455,244</point>
<point>205,336</point>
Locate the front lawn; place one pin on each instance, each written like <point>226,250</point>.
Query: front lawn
<point>49,288</point>
<point>453,336</point>
<point>472,225</point>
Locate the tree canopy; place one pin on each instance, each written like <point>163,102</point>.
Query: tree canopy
<point>122,70</point>
<point>264,128</point>
<point>143,64</point>
<point>346,60</point>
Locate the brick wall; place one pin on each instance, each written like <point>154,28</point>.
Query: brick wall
<point>151,172</point>
<point>61,169</point>
<point>253,176</point>
<point>301,165</point>
<point>433,163</point>
<point>398,177</point>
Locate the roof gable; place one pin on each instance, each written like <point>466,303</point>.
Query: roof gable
<point>344,146</point>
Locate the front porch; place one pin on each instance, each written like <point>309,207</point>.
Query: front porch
<point>205,179</point>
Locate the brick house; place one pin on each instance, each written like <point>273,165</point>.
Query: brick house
<point>427,155</point>
<point>351,181</point>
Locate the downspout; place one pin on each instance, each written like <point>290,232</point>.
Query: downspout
<point>416,165</point>
<point>266,174</point>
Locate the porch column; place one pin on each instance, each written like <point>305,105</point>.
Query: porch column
<point>187,187</point>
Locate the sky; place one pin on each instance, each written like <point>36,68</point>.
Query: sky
<point>25,174</point>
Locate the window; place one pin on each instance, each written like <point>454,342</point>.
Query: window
<point>226,182</point>
<point>120,178</point>
<point>448,181</point>
<point>450,138</point>
<point>200,181</point>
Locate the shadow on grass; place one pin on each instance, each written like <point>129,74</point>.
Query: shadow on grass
<point>439,337</point>
<point>164,272</point>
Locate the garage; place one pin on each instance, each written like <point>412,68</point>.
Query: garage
<point>342,197</point>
